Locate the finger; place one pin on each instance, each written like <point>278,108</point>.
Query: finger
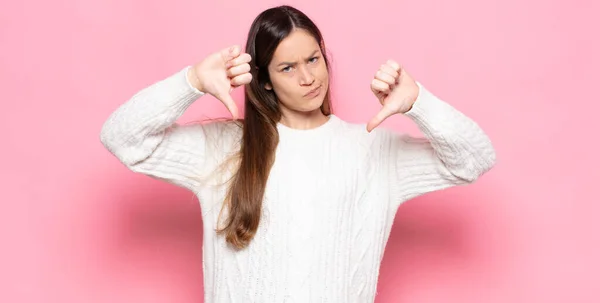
<point>227,100</point>
<point>379,86</point>
<point>242,79</point>
<point>389,70</point>
<point>393,64</point>
<point>238,70</point>
<point>230,52</point>
<point>239,60</point>
<point>380,75</point>
<point>383,114</point>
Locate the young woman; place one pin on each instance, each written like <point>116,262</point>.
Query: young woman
<point>297,204</point>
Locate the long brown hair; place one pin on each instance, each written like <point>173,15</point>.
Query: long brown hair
<point>262,113</point>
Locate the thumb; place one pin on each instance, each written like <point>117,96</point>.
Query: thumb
<point>227,100</point>
<point>383,114</point>
<point>230,52</point>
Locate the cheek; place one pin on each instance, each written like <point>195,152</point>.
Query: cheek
<point>322,73</point>
<point>285,88</point>
<point>278,82</point>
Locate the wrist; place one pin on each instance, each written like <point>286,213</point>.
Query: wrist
<point>413,100</point>
<point>193,79</point>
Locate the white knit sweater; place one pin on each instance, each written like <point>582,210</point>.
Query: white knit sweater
<point>331,196</point>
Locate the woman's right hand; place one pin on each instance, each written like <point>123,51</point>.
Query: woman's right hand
<point>219,73</point>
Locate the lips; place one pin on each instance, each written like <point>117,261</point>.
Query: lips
<point>313,92</point>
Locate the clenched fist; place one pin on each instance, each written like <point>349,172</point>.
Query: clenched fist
<point>219,73</point>
<point>396,90</point>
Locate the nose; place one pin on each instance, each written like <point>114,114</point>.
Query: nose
<point>306,77</point>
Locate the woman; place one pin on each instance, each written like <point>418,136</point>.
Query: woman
<point>297,204</point>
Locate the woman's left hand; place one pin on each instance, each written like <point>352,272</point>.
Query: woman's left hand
<point>396,90</point>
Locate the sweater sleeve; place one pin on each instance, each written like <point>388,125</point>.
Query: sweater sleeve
<point>454,150</point>
<point>143,134</point>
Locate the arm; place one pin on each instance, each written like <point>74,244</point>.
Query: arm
<point>143,135</point>
<point>454,151</point>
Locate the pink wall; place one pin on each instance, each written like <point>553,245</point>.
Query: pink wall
<point>78,227</point>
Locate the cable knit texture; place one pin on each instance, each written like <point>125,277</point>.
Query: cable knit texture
<point>331,197</point>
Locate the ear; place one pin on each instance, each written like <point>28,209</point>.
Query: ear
<point>268,86</point>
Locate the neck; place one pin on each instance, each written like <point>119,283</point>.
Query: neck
<point>303,120</point>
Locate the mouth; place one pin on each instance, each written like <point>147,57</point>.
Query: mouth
<point>314,92</point>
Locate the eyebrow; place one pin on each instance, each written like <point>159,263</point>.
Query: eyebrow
<point>293,63</point>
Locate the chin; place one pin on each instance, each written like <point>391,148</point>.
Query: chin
<point>315,104</point>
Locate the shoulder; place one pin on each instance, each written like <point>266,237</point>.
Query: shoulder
<point>223,135</point>
<point>214,135</point>
<point>354,129</point>
<point>380,141</point>
<point>358,132</point>
<point>223,129</point>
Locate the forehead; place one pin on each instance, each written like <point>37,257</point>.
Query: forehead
<point>297,45</point>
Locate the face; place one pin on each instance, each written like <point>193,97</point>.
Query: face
<point>298,73</point>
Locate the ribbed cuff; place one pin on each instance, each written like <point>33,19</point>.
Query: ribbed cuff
<point>429,109</point>
<point>189,83</point>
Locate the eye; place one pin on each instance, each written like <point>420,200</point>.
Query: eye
<point>313,59</point>
<point>286,69</point>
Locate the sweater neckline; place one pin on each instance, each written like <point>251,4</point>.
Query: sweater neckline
<point>323,128</point>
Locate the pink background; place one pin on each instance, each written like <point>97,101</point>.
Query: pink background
<point>77,226</point>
